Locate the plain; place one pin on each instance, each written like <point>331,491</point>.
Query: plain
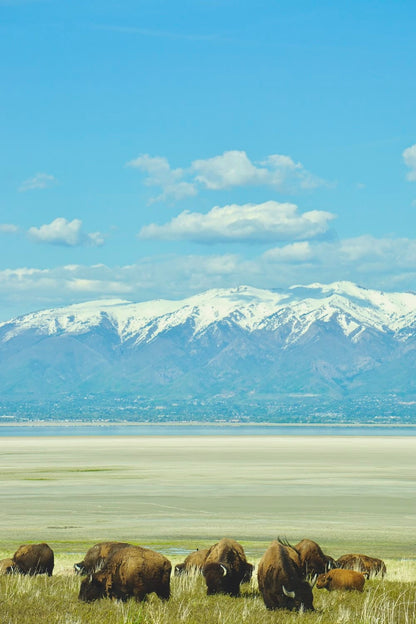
<point>174,494</point>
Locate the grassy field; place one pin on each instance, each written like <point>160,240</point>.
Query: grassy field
<point>174,494</point>
<point>34,600</point>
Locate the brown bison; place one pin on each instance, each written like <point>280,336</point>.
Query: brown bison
<point>369,566</point>
<point>193,562</point>
<point>132,571</point>
<point>313,560</point>
<point>33,559</point>
<point>281,580</point>
<point>97,556</point>
<point>341,579</point>
<point>225,568</point>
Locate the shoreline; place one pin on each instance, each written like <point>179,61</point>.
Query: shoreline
<point>196,423</point>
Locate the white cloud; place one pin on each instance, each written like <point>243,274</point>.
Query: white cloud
<point>295,252</point>
<point>409,157</point>
<point>266,222</point>
<point>63,232</point>
<point>38,182</point>
<point>160,174</point>
<point>234,168</point>
<point>359,255</point>
<point>231,169</point>
<point>8,228</point>
<point>378,263</point>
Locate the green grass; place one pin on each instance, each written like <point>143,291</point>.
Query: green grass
<point>38,600</point>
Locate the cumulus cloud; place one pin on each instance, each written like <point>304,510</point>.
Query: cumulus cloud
<point>159,173</point>
<point>234,168</point>
<point>63,232</point>
<point>266,222</point>
<point>385,263</point>
<point>231,169</point>
<point>38,182</point>
<point>409,157</point>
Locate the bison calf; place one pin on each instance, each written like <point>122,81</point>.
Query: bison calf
<point>341,579</point>
<point>132,572</point>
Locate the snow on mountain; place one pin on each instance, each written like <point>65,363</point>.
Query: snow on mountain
<point>322,338</point>
<point>353,307</point>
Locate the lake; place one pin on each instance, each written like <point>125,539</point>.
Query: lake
<point>200,429</point>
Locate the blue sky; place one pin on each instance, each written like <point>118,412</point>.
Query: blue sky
<point>155,149</point>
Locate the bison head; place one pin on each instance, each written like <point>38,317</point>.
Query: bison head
<point>92,588</point>
<point>79,568</point>
<point>299,598</point>
<point>180,569</point>
<point>248,573</point>
<point>216,577</point>
<point>322,581</point>
<point>7,566</point>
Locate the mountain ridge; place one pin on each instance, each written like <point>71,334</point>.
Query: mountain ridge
<point>336,340</point>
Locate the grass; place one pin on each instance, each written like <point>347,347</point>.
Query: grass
<point>38,600</point>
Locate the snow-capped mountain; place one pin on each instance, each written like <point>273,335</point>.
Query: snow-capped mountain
<point>337,338</point>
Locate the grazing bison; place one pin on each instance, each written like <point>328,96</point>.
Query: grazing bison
<point>369,566</point>
<point>34,559</point>
<point>225,568</point>
<point>132,571</point>
<point>341,579</point>
<point>281,580</point>
<point>97,556</point>
<point>313,560</point>
<point>7,566</point>
<point>193,562</point>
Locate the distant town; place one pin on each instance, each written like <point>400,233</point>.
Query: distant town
<point>302,410</point>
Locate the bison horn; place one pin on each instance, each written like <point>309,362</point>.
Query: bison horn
<point>224,568</point>
<point>314,579</point>
<point>289,594</point>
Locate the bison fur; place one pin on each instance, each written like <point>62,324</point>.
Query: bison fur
<point>369,566</point>
<point>281,580</point>
<point>96,557</point>
<point>225,568</point>
<point>34,559</point>
<point>193,562</point>
<point>313,560</point>
<point>131,572</point>
<point>341,579</point>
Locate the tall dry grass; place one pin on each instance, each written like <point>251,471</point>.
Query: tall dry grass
<point>38,600</point>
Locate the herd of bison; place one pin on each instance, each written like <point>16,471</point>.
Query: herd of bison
<point>286,574</point>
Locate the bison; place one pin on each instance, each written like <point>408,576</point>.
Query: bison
<point>313,560</point>
<point>33,559</point>
<point>225,568</point>
<point>369,566</point>
<point>193,562</point>
<point>132,571</point>
<point>341,579</point>
<point>281,580</point>
<point>97,556</point>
